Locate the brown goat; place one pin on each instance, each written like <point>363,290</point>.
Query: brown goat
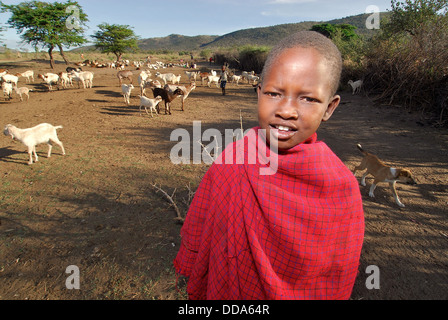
<point>167,96</point>
<point>124,74</point>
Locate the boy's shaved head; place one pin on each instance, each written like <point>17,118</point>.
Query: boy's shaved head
<point>310,39</point>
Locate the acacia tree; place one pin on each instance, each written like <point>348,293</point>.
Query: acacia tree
<point>49,25</point>
<point>116,39</point>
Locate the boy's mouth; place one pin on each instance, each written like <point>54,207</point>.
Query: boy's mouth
<point>282,132</point>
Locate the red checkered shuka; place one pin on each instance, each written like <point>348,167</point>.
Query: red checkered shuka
<point>295,234</point>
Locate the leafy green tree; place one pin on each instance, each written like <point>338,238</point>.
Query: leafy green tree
<point>347,31</point>
<point>48,25</point>
<point>116,39</point>
<point>412,16</point>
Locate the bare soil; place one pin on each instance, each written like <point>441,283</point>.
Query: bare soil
<point>96,208</point>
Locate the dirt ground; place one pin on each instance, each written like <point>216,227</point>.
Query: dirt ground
<point>96,207</point>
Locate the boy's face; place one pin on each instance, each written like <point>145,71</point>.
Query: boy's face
<point>295,97</point>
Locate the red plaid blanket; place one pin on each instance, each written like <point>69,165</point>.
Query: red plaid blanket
<point>296,234</point>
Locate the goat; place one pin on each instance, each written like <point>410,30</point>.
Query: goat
<point>203,76</point>
<point>356,86</point>
<point>10,78</point>
<point>3,72</point>
<point>176,79</point>
<point>166,77</point>
<point>151,84</point>
<point>213,79</point>
<point>142,78</point>
<point>192,75</point>
<point>124,74</point>
<point>42,133</point>
<point>253,78</point>
<point>167,96</point>
<point>86,77</point>
<point>7,90</point>
<point>65,79</point>
<point>126,91</point>
<point>235,79</point>
<point>245,75</point>
<point>185,89</point>
<point>70,69</point>
<point>27,74</point>
<point>151,103</point>
<point>21,91</point>
<point>49,78</point>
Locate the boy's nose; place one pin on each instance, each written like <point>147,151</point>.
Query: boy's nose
<point>287,109</point>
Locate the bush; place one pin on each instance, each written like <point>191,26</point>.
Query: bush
<point>410,69</point>
<point>248,58</point>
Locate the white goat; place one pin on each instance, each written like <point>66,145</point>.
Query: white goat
<point>185,89</point>
<point>151,103</point>
<point>356,86</point>
<point>245,75</point>
<point>142,78</point>
<point>176,79</point>
<point>235,79</point>
<point>166,77</point>
<point>10,78</point>
<point>66,79</point>
<point>213,72</point>
<point>213,79</point>
<point>253,78</point>
<point>42,133</point>
<point>192,75</point>
<point>85,77</point>
<point>21,91</point>
<point>7,90</point>
<point>49,78</point>
<point>126,91</point>
<point>27,74</point>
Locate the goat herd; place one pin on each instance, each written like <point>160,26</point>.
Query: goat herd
<point>165,87</point>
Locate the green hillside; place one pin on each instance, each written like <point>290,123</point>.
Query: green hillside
<point>263,36</point>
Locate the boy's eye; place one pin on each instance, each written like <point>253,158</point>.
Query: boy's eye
<point>273,94</point>
<point>309,99</point>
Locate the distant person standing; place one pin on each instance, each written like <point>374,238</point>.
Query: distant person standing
<point>223,78</point>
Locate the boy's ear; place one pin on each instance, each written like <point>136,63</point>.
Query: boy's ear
<point>334,103</point>
<point>258,89</point>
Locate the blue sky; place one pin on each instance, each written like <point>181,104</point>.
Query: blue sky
<point>205,17</point>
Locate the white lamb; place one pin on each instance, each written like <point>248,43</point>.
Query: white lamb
<point>192,75</point>
<point>356,86</point>
<point>213,79</point>
<point>85,77</point>
<point>27,74</point>
<point>66,79</point>
<point>21,91</point>
<point>7,90</point>
<point>42,133</point>
<point>166,77</point>
<point>10,78</point>
<point>142,78</point>
<point>151,103</point>
<point>236,79</point>
<point>49,78</point>
<point>126,91</point>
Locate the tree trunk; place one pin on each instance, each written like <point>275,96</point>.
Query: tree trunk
<point>119,55</point>
<point>50,52</point>
<point>63,54</point>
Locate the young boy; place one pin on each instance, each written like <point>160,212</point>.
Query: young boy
<point>293,234</point>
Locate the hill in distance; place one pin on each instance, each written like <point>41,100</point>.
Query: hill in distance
<point>263,36</point>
